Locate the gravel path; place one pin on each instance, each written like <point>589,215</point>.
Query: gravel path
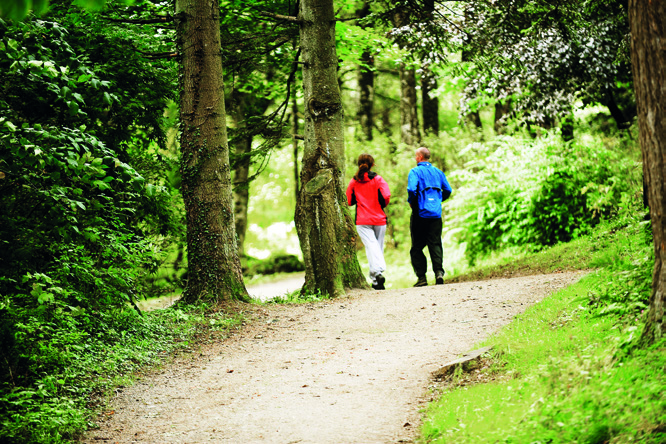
<point>351,370</point>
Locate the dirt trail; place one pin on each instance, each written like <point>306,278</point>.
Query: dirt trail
<point>350,370</point>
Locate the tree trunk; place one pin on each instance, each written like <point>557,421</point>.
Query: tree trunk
<point>501,110</point>
<point>474,117</point>
<point>241,190</point>
<point>366,86</point>
<point>429,102</point>
<point>648,34</point>
<point>409,118</point>
<point>325,228</point>
<point>214,269</point>
<point>295,128</point>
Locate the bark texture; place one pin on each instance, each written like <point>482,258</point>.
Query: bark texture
<point>648,58</point>
<point>241,191</point>
<point>294,144</point>
<point>214,269</point>
<point>366,86</point>
<point>325,228</point>
<point>502,110</point>
<point>430,102</point>
<point>409,118</point>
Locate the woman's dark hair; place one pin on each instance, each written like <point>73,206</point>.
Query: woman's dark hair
<point>365,162</point>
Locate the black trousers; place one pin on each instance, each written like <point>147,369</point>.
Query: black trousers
<point>426,232</point>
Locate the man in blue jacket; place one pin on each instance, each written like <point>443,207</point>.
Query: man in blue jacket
<point>427,188</point>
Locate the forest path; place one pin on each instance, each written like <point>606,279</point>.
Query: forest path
<point>351,370</point>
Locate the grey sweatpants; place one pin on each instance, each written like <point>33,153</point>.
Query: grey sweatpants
<point>372,237</point>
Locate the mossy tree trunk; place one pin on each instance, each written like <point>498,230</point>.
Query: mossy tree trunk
<point>325,228</point>
<point>214,270</point>
<point>648,58</point>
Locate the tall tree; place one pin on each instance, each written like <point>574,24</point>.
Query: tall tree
<point>409,117</point>
<point>429,101</point>
<point>325,228</point>
<point>214,269</point>
<point>294,142</point>
<point>366,84</point>
<point>648,34</point>
<point>242,146</point>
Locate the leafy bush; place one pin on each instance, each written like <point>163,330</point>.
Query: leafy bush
<point>84,216</point>
<point>63,359</point>
<point>538,193</point>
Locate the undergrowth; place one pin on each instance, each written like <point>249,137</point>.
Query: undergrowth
<point>71,369</point>
<point>296,297</point>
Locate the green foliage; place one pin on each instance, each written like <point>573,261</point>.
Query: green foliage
<point>544,57</point>
<point>19,9</point>
<point>539,193</point>
<point>74,209</point>
<point>85,213</point>
<point>73,357</point>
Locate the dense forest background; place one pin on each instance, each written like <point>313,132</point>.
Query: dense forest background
<point>529,108</point>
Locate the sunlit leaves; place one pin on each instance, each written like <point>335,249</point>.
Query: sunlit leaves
<point>537,193</point>
<point>544,56</point>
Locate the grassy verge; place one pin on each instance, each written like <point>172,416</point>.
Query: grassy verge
<point>567,370</point>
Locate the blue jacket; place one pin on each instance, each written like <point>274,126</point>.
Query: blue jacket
<point>427,188</point>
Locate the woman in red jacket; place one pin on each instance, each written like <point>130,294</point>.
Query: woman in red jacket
<point>370,193</point>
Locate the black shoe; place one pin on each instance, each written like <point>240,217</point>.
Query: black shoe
<point>439,280</point>
<point>421,282</point>
<point>380,282</point>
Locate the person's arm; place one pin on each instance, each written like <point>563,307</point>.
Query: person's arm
<point>446,188</point>
<point>384,192</point>
<point>412,189</point>
<point>351,197</point>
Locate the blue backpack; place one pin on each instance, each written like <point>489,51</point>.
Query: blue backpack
<point>430,202</point>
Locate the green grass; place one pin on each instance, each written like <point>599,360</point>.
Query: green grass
<point>560,381</point>
<point>569,369</point>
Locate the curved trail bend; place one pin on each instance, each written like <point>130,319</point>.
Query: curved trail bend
<point>350,370</point>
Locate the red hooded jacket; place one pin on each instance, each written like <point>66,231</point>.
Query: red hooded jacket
<point>370,195</point>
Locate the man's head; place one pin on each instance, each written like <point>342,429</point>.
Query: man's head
<point>422,154</point>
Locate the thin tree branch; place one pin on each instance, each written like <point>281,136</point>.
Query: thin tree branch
<point>158,55</point>
<point>150,21</point>
<point>287,18</point>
